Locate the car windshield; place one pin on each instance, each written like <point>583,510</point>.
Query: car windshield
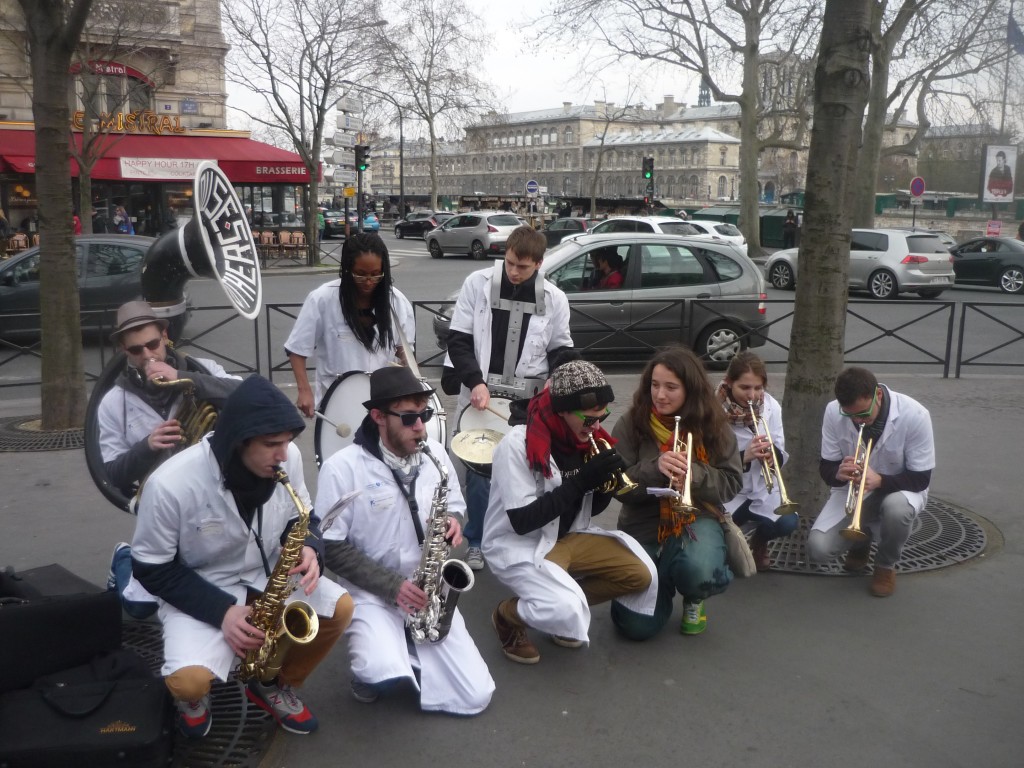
<point>503,220</point>
<point>925,244</point>
<point>679,228</point>
<point>728,230</point>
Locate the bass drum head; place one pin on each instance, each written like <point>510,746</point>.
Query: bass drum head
<point>343,405</point>
<point>479,432</point>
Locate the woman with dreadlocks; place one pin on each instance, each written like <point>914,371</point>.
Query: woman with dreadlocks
<point>349,322</point>
<point>689,548</point>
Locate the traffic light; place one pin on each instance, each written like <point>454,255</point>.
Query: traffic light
<point>648,167</point>
<point>362,157</point>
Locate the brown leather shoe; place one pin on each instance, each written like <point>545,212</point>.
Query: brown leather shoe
<point>515,643</point>
<point>857,559</point>
<point>883,583</point>
<point>762,560</point>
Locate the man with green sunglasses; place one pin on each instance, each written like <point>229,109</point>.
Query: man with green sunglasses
<point>895,480</point>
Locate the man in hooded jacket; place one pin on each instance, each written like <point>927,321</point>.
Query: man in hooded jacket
<point>212,520</point>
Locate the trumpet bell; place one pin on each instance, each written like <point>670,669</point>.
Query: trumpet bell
<point>787,508</point>
<point>855,535</point>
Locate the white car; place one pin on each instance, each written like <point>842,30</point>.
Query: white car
<point>720,230</point>
<point>659,225</point>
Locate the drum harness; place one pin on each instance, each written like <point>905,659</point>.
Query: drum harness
<point>507,383</point>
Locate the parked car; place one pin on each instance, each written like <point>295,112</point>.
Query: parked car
<point>947,239</point>
<point>418,223</point>
<point>370,222</point>
<point>720,230</point>
<point>559,229</point>
<point>656,266</point>
<point>477,233</point>
<point>109,274</point>
<point>883,262</point>
<point>334,223</point>
<point>666,225</point>
<point>997,261</point>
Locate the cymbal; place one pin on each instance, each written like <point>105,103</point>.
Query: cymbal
<point>476,446</point>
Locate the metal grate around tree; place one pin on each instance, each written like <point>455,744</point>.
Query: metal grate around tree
<point>25,433</point>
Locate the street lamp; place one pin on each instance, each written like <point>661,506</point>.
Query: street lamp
<point>401,137</point>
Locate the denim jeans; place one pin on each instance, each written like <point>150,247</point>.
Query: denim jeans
<point>121,565</point>
<point>695,568</point>
<point>478,491</point>
<point>765,528</point>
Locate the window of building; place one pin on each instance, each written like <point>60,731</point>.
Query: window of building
<point>723,186</point>
<point>721,155</point>
<point>694,187</point>
<point>568,135</point>
<point>554,135</point>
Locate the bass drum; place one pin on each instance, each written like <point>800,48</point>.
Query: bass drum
<point>343,411</point>
<point>479,432</point>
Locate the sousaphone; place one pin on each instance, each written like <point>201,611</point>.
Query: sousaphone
<point>216,243</point>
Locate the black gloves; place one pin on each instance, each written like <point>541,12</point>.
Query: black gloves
<point>599,469</point>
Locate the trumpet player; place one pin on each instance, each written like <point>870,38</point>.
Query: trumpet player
<point>744,398</point>
<point>375,545</point>
<point>690,551</point>
<point>895,480</point>
<point>539,539</point>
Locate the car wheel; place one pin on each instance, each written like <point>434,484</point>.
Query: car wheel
<point>398,233</point>
<point>781,275</point>
<point>435,250</point>
<point>477,250</point>
<point>718,344</point>
<point>931,293</point>
<point>1012,280</point>
<point>882,285</point>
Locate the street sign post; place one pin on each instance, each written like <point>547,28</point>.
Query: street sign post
<point>916,191</point>
<point>532,187</point>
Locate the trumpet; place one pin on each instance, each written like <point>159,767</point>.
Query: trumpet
<point>855,490</point>
<point>770,470</point>
<point>683,503</point>
<point>620,483</point>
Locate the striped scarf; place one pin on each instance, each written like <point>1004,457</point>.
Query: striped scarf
<point>672,520</point>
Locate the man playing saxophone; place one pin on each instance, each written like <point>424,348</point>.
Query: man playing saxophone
<point>377,542</point>
<point>895,480</point>
<point>212,520</point>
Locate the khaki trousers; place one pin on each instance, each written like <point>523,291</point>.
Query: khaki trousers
<point>603,567</point>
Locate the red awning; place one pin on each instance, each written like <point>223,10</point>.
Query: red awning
<point>167,158</point>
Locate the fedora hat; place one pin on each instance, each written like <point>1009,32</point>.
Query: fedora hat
<point>135,314</point>
<point>391,383</point>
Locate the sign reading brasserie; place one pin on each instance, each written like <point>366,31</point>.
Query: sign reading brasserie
<point>132,122</point>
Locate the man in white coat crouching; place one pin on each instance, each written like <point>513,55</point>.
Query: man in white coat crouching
<point>375,545</point>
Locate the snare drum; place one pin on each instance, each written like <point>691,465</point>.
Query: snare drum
<point>478,432</point>
<point>344,411</point>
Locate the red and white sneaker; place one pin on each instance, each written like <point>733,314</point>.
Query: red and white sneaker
<point>284,705</point>
<point>194,718</point>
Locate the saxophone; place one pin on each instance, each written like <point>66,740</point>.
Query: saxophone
<point>441,578</point>
<point>196,417</point>
<point>284,625</point>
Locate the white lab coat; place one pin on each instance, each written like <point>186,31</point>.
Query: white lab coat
<point>124,418</point>
<point>186,513</point>
<point>545,332</point>
<point>321,328</point>
<point>453,676</point>
<point>906,444</point>
<point>549,598</point>
<point>761,502</point>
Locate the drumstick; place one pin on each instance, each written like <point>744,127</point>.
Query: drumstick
<point>499,414</point>
<point>343,430</point>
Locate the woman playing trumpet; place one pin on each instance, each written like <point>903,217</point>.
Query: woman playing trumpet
<point>744,398</point>
<point>687,544</point>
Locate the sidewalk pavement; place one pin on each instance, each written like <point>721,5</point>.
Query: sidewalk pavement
<point>794,670</point>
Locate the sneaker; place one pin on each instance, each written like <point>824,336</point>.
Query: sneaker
<point>475,558</point>
<point>883,583</point>
<point>566,642</point>
<point>856,559</point>
<point>515,643</point>
<point>694,620</point>
<point>365,693</point>
<point>281,702</point>
<point>194,718</point>
<point>111,574</point>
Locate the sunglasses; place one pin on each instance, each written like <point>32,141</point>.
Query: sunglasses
<point>862,414</point>
<point>136,349</point>
<point>367,278</point>
<point>410,419</point>
<point>589,421</point>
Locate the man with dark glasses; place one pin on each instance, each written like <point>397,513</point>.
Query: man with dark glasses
<point>137,424</point>
<point>386,491</point>
<point>547,484</point>
<point>896,477</point>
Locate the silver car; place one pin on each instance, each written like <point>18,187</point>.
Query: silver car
<point>883,262</point>
<point>477,233</point>
<point>615,324</point>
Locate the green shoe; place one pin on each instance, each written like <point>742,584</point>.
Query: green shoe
<point>694,620</point>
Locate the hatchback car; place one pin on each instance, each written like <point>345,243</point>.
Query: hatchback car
<point>559,229</point>
<point>109,274</point>
<point>477,233</point>
<point>418,223</point>
<point>997,261</point>
<point>720,230</point>
<point>665,225</point>
<point>614,324</point>
<point>334,223</point>
<point>883,262</point>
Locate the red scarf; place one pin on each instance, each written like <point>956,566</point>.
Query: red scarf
<point>545,430</point>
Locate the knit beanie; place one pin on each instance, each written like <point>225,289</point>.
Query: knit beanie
<point>579,386</point>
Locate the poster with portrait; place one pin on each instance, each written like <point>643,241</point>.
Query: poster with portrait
<point>997,177</point>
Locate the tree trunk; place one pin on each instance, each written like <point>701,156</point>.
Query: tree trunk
<point>85,200</point>
<point>63,386</point>
<point>312,217</point>
<point>871,152</point>
<point>750,218</point>
<point>433,165</point>
<point>819,323</point>
<point>593,184</point>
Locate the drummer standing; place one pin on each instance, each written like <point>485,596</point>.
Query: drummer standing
<point>349,322</point>
<point>509,329</point>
